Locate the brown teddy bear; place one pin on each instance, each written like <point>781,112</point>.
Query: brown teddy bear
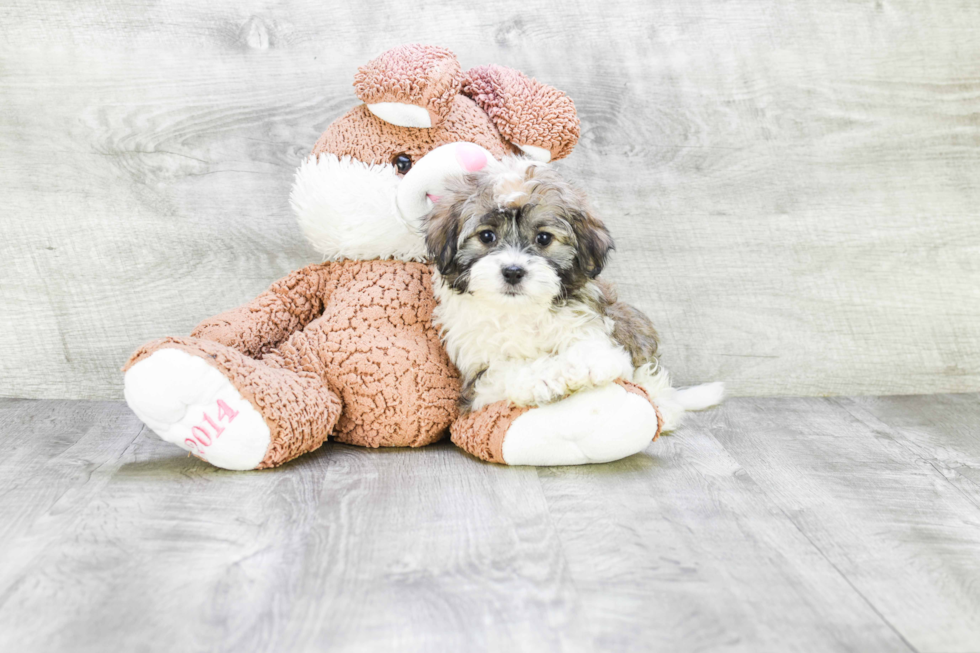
<point>346,348</point>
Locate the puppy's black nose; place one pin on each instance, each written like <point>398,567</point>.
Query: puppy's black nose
<point>513,274</point>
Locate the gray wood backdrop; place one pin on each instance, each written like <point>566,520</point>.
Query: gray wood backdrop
<point>793,185</point>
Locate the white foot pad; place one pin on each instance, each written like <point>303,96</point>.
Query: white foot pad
<point>191,404</point>
<point>591,426</point>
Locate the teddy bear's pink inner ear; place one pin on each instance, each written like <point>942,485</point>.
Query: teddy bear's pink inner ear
<point>411,85</point>
<point>535,117</point>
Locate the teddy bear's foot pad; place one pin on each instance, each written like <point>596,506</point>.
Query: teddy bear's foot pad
<point>191,404</point>
<point>591,426</point>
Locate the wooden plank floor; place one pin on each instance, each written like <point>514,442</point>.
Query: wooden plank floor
<point>848,524</point>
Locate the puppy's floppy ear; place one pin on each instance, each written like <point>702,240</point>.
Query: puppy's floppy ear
<point>593,242</point>
<point>442,233</point>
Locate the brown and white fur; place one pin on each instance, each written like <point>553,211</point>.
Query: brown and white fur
<point>521,310</point>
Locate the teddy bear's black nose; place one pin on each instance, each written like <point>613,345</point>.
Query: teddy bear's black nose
<point>513,274</point>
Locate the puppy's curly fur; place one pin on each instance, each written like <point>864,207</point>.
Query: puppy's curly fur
<point>522,312</point>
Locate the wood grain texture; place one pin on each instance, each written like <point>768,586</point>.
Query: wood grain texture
<point>943,432</point>
<point>347,549</point>
<point>768,525</point>
<point>681,550</point>
<point>793,186</point>
<point>905,536</point>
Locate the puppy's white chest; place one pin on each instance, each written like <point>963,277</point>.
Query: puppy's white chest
<point>515,335</point>
<point>479,333</point>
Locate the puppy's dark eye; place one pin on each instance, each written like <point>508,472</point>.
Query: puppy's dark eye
<point>543,239</point>
<point>487,237</point>
<point>402,163</point>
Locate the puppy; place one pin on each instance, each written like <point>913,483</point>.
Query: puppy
<point>522,313</point>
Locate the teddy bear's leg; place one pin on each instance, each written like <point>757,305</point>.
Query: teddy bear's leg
<point>403,393</point>
<point>231,410</point>
<point>590,426</point>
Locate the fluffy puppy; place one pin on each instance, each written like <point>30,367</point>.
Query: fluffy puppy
<point>522,313</point>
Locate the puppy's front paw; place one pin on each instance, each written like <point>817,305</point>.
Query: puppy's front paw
<point>546,390</point>
<point>594,365</point>
<point>605,371</point>
<point>535,387</point>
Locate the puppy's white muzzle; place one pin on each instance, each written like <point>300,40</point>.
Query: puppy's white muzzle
<point>537,283</point>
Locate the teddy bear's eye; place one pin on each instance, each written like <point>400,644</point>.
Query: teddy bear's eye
<point>402,163</point>
<point>487,237</point>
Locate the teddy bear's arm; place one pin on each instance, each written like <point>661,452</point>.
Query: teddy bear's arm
<point>258,326</point>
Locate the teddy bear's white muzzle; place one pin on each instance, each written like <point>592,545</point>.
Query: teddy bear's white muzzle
<point>426,181</point>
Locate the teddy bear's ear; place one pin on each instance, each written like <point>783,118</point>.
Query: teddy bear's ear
<point>535,117</point>
<point>411,85</point>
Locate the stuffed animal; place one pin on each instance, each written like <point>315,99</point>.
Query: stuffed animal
<point>346,348</point>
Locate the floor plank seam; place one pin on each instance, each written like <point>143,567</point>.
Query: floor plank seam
<point>959,490</point>
<point>561,543</point>
<point>848,581</point>
<point>25,564</point>
<point>816,548</point>
<point>879,425</point>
